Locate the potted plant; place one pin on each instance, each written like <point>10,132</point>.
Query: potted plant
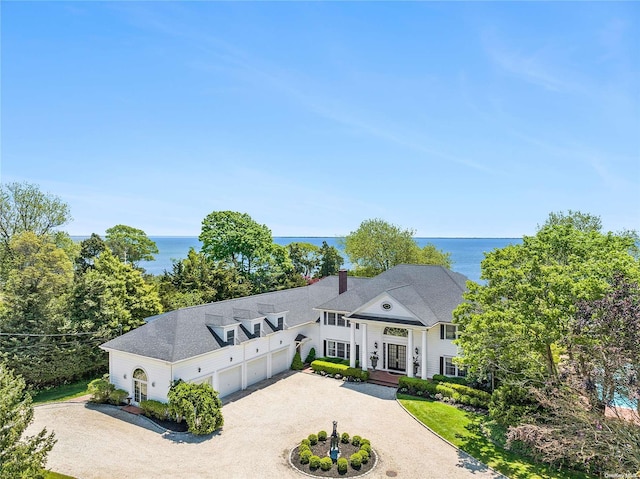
<point>374,360</point>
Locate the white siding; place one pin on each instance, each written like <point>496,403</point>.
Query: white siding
<point>158,374</point>
<point>437,347</point>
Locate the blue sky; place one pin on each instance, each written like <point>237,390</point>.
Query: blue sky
<point>454,119</point>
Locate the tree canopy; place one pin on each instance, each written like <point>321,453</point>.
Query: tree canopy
<point>130,244</point>
<point>195,280</point>
<point>23,207</point>
<point>377,246</point>
<point>516,324</point>
<point>20,457</point>
<point>330,261</point>
<point>235,238</point>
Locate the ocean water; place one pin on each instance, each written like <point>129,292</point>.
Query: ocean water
<point>466,253</point>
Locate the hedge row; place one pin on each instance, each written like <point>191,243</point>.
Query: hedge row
<point>457,392</point>
<point>441,378</point>
<point>156,409</point>
<point>344,371</point>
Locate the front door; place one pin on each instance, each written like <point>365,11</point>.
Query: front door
<point>139,386</point>
<point>397,357</point>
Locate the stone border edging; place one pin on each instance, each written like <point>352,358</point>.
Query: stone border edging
<point>499,474</point>
<point>289,460</point>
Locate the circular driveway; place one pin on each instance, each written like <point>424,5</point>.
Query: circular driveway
<point>260,428</point>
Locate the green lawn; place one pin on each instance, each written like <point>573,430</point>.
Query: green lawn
<point>463,429</point>
<point>56,475</point>
<point>61,393</point>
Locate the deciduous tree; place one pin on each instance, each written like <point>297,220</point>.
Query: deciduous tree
<point>516,324</point>
<point>377,246</point>
<point>130,244</point>
<point>305,258</point>
<point>235,238</point>
<point>23,207</point>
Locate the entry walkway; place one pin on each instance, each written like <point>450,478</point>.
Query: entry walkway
<point>260,429</point>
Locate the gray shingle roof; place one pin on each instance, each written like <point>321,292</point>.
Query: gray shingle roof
<point>181,334</point>
<point>431,293</point>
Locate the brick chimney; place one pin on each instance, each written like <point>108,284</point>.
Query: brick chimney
<point>342,281</point>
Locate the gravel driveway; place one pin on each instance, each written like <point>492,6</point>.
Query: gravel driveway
<point>105,442</point>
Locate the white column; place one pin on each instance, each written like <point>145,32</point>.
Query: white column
<point>410,352</point>
<point>364,361</point>
<point>423,372</point>
<point>352,339</point>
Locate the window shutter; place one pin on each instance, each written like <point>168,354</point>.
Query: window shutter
<point>441,365</point>
<point>325,318</point>
<point>325,348</point>
<point>441,332</point>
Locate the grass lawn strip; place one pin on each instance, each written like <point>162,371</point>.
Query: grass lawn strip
<point>56,475</point>
<point>61,393</point>
<point>463,430</point>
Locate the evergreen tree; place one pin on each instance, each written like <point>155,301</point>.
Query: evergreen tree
<point>20,457</point>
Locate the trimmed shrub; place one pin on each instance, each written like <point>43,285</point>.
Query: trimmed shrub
<point>356,440</point>
<point>510,405</point>
<point>155,409</point>
<point>326,463</point>
<point>117,396</point>
<point>334,368</point>
<point>446,379</point>
<point>297,364</point>
<point>365,455</point>
<point>457,392</point>
<point>311,357</point>
<point>364,441</point>
<point>355,460</point>
<point>344,439</point>
<point>322,436</point>
<point>313,439</point>
<point>305,456</point>
<point>366,447</point>
<point>100,389</point>
<point>305,441</point>
<point>314,462</point>
<point>343,464</point>
<point>304,447</point>
<point>198,404</point>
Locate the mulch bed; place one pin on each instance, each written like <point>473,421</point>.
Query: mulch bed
<point>321,449</point>
<point>170,425</point>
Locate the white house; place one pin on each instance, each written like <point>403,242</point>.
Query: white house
<point>402,315</point>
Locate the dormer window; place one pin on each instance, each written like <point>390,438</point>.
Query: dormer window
<point>231,334</point>
<point>256,329</point>
<point>281,322</point>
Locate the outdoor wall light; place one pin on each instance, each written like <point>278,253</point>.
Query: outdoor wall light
<point>231,359</point>
<point>416,350</point>
<point>256,350</point>
<point>153,384</point>
<point>125,375</point>
<point>281,341</point>
<point>375,345</point>
<point>199,369</point>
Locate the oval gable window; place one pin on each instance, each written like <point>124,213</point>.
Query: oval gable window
<point>386,306</point>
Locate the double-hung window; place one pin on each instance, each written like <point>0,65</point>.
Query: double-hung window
<point>338,349</point>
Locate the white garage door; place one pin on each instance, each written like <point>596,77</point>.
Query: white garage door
<point>230,381</point>
<point>279,362</point>
<point>256,370</point>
